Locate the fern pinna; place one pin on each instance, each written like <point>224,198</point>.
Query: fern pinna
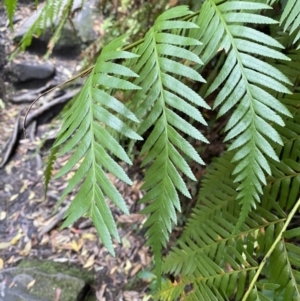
<point>291,19</point>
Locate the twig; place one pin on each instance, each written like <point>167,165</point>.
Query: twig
<point>81,74</point>
<point>18,124</point>
<point>271,250</point>
<point>53,222</point>
<point>49,105</point>
<point>29,95</point>
<point>11,141</point>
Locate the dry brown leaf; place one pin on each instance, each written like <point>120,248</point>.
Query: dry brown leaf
<point>67,246</point>
<point>26,249</point>
<point>127,267</point>
<point>100,293</point>
<point>13,197</point>
<point>173,3</point>
<point>126,242</point>
<point>62,239</point>
<point>31,284</point>
<point>11,284</point>
<point>15,239</point>
<point>2,215</point>
<point>8,168</point>
<point>89,236</point>
<point>113,270</point>
<point>135,269</point>
<point>62,259</point>
<point>69,175</point>
<point>31,195</point>
<point>12,259</point>
<point>4,245</point>
<point>90,261</point>
<point>84,252</point>
<point>132,296</point>
<point>8,187</point>
<point>45,240</point>
<point>25,186</point>
<point>134,218</point>
<point>76,246</point>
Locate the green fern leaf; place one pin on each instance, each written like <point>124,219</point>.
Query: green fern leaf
<point>85,129</point>
<point>162,59</point>
<point>47,14</point>
<point>10,6</point>
<point>208,248</point>
<point>65,12</point>
<point>291,18</point>
<point>52,10</point>
<point>221,264</point>
<point>243,76</point>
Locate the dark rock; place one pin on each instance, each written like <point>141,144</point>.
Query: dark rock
<point>42,281</point>
<point>28,71</point>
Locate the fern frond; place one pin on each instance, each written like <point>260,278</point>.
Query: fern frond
<point>59,9</point>
<point>10,6</point>
<point>59,27</point>
<point>291,18</point>
<point>209,257</point>
<point>163,55</point>
<point>245,80</point>
<point>280,271</point>
<point>213,261</point>
<point>85,128</point>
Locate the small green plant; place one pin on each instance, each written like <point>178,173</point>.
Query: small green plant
<point>240,243</point>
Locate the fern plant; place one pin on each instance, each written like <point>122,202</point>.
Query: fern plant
<point>10,9</point>
<point>240,241</point>
<point>219,264</point>
<point>291,19</point>
<point>245,77</point>
<point>59,10</point>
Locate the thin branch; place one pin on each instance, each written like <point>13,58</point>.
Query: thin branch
<point>271,250</point>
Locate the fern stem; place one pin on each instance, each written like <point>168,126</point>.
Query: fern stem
<point>134,44</point>
<point>272,248</point>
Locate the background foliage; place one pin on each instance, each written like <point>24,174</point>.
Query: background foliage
<point>241,241</point>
